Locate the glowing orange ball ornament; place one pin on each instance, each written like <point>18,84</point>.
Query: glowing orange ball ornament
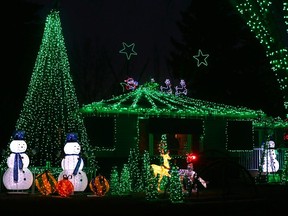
<point>99,185</point>
<point>65,188</point>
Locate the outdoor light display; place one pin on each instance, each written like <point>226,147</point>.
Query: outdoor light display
<point>125,180</point>
<point>151,192</point>
<point>46,183</point>
<point>136,173</point>
<point>285,137</point>
<point>176,194</point>
<point>270,122</point>
<point>129,84</point>
<point>99,185</point>
<point>64,187</point>
<point>189,178</point>
<point>114,181</point>
<point>270,163</point>
<point>147,101</point>
<point>18,176</point>
<point>162,170</point>
<point>128,50</point>
<point>258,18</point>
<point>167,88</point>
<point>181,89</point>
<point>190,157</point>
<point>49,107</point>
<point>72,164</point>
<point>201,58</point>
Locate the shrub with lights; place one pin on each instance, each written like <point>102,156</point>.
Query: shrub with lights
<point>175,188</point>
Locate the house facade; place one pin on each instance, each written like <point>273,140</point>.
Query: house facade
<point>140,117</point>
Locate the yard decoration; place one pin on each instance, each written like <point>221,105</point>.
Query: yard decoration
<point>72,164</point>
<point>46,183</point>
<point>162,170</point>
<point>99,185</point>
<point>18,176</point>
<point>65,187</point>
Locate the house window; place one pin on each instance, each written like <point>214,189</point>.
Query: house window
<point>100,131</point>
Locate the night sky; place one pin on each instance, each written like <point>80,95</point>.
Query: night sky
<point>237,72</point>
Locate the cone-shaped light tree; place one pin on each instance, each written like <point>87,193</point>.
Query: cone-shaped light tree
<point>268,21</point>
<point>50,108</point>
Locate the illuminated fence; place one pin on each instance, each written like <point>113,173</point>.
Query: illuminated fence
<point>252,159</point>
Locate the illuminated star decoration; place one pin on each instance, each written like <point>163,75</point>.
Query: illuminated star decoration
<point>201,58</point>
<point>128,50</point>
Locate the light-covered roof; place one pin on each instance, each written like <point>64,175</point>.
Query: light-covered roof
<point>148,101</point>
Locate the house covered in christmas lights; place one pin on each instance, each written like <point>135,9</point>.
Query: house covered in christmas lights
<point>139,118</point>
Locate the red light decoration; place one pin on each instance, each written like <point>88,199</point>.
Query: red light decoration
<point>65,188</point>
<point>99,185</point>
<point>285,136</point>
<point>190,157</point>
<point>46,183</point>
<point>129,84</point>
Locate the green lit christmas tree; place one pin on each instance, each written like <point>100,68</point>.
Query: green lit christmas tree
<point>146,168</point>
<point>50,108</point>
<point>163,149</point>
<point>271,31</point>
<point>125,181</point>
<point>151,190</point>
<point>162,146</point>
<point>134,163</point>
<point>114,181</point>
<point>284,179</point>
<point>176,193</point>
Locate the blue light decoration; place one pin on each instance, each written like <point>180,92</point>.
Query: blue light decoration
<point>72,137</point>
<point>201,58</point>
<point>128,50</point>
<point>19,135</point>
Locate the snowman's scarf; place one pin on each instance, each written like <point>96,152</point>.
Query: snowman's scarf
<point>18,164</point>
<point>76,169</point>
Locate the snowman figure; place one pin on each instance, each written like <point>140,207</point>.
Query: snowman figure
<point>270,164</point>
<point>18,176</point>
<point>72,164</point>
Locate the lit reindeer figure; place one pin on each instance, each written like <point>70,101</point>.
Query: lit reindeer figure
<point>167,88</point>
<point>181,89</point>
<point>162,170</point>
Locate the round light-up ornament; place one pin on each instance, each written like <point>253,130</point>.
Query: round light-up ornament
<point>99,185</point>
<point>65,187</point>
